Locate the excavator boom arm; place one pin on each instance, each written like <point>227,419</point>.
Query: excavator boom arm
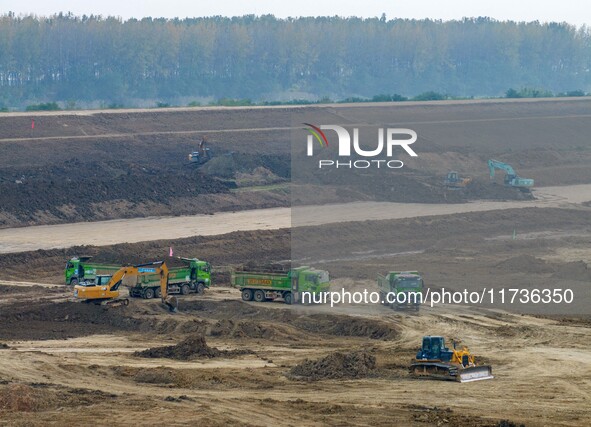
<point>164,280</point>
<point>495,164</point>
<point>112,286</point>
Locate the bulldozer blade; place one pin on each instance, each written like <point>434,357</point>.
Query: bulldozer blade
<point>475,373</point>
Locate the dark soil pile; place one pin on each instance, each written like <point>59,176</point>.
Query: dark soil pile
<point>46,320</point>
<point>437,416</point>
<point>577,270</point>
<point>339,325</point>
<point>50,190</point>
<point>358,364</point>
<point>227,249</point>
<point>525,264</point>
<point>193,347</point>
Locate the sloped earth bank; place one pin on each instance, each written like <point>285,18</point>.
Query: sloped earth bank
<point>86,189</point>
<point>89,166</point>
<point>49,320</point>
<point>486,234</point>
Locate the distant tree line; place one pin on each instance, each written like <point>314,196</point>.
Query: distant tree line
<point>70,58</point>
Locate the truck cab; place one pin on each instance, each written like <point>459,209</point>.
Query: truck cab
<point>434,348</point>
<point>306,279</point>
<point>200,271</point>
<point>81,269</point>
<point>74,271</point>
<point>408,283</point>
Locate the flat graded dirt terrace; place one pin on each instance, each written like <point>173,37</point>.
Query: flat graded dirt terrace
<point>95,166</point>
<point>221,361</point>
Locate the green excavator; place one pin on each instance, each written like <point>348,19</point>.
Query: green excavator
<point>511,177</point>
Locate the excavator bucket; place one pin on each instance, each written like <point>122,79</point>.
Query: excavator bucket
<point>475,373</point>
<point>172,303</point>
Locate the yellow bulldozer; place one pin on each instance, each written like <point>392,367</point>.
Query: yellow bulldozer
<point>435,360</point>
<point>105,288</point>
<point>454,181</point>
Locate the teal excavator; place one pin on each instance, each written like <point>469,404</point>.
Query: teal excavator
<point>511,177</point>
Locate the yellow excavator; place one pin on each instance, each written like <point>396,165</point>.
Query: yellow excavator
<point>435,360</point>
<point>105,289</point>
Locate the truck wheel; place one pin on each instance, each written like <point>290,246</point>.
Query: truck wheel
<point>287,298</point>
<point>74,282</point>
<point>185,289</point>
<point>200,288</point>
<point>246,295</point>
<point>157,293</point>
<point>259,296</point>
<point>149,293</point>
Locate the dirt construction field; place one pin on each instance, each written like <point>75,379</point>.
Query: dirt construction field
<point>223,361</point>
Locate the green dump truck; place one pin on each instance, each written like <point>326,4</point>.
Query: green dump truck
<point>81,269</point>
<point>195,276</point>
<point>401,289</point>
<point>267,284</point>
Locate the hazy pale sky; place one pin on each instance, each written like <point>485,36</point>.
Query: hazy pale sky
<point>576,12</point>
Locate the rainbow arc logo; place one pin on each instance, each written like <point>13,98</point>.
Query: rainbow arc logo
<point>318,134</point>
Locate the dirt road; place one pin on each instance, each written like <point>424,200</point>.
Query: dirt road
<point>146,229</point>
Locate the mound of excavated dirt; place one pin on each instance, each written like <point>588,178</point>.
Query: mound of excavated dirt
<point>259,176</point>
<point>577,270</point>
<point>159,375</point>
<point>339,325</point>
<point>336,365</point>
<point>193,347</point>
<point>127,186</point>
<point>525,264</point>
